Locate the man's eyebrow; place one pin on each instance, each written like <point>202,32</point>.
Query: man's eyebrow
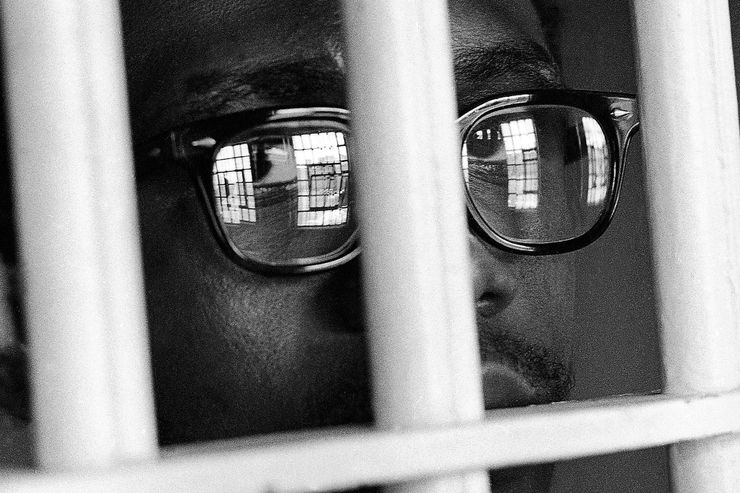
<point>523,59</point>
<point>247,86</point>
<point>309,81</point>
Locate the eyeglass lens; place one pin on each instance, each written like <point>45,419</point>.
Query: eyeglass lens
<point>538,174</point>
<point>285,197</point>
<point>535,174</point>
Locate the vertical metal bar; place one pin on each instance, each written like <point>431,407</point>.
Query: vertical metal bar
<point>78,232</point>
<point>692,148</point>
<point>423,344</point>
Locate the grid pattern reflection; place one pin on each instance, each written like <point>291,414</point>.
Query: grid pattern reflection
<point>522,163</point>
<point>232,185</point>
<point>320,173</point>
<point>323,173</point>
<point>598,161</point>
<point>465,164</point>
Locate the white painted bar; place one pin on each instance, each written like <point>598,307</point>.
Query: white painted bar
<point>692,148</point>
<point>359,456</point>
<point>422,338</point>
<point>91,388</point>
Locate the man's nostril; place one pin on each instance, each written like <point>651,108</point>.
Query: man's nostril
<point>489,304</point>
<point>494,283</point>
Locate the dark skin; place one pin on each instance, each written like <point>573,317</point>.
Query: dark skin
<point>239,353</point>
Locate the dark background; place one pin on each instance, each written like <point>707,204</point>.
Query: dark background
<point>619,348</point>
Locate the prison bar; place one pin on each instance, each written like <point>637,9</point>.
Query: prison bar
<point>699,309</point>
<point>78,233</point>
<point>363,456</point>
<point>422,336</point>
<point>692,149</point>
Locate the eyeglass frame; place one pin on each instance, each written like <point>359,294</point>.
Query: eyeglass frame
<point>196,144</point>
<point>619,110</point>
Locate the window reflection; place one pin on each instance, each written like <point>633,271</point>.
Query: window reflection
<point>598,163</point>
<point>323,173</point>
<point>312,168</point>
<point>232,184</point>
<point>522,162</point>
<point>466,175</point>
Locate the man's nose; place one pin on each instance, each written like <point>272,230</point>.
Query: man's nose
<point>494,280</point>
<point>494,288</point>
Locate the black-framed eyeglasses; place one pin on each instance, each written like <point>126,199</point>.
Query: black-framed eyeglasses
<point>542,172</point>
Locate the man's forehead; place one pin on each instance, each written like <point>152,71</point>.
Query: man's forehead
<point>202,30</point>
<point>202,26</point>
<point>176,46</point>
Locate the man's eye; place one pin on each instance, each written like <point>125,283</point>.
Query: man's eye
<point>486,173</point>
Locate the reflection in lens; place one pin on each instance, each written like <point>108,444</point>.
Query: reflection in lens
<point>284,198</point>
<point>323,172</point>
<point>598,161</point>
<point>522,163</point>
<point>539,173</point>
<point>232,182</point>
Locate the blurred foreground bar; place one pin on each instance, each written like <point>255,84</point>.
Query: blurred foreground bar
<point>418,289</point>
<point>692,149</point>
<point>78,232</point>
<point>358,456</point>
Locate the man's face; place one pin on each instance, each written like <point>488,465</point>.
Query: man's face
<point>237,352</point>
